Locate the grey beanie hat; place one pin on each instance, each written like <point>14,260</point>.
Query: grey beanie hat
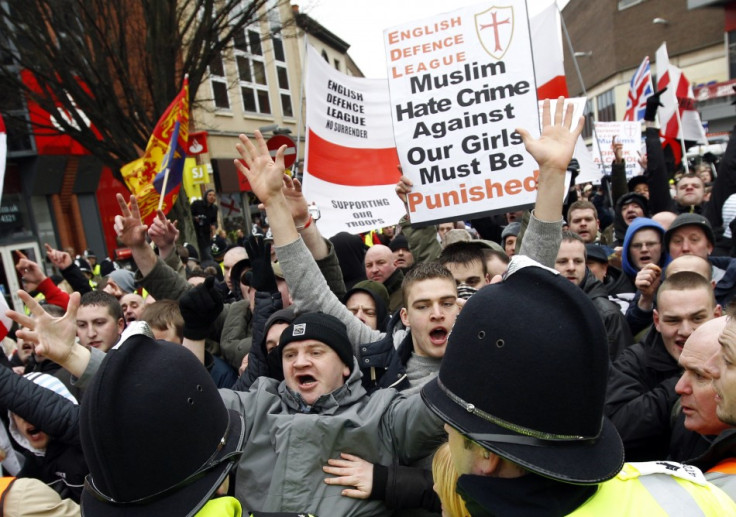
<point>124,279</point>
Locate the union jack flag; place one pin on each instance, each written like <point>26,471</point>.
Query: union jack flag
<point>640,89</point>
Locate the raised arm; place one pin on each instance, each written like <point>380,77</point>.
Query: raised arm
<point>552,152</point>
<point>307,286</point>
<point>132,233</point>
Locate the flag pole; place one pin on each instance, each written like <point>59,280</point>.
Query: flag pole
<point>301,111</point>
<point>163,189</point>
<point>585,93</point>
<point>682,135</point>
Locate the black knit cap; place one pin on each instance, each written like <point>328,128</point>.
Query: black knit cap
<point>323,328</point>
<point>633,197</point>
<point>688,219</point>
<point>399,242</point>
<point>524,375</point>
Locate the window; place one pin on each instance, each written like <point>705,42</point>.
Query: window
<point>252,71</point>
<point>337,64</point>
<point>282,70</point>
<point>625,4</point>
<point>606,107</point>
<point>218,80</point>
<point>324,56</point>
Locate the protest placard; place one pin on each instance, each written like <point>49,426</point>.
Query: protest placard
<point>460,85</point>
<point>627,133</point>
<point>351,166</point>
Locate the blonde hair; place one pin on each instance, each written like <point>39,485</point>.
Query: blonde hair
<point>445,478</point>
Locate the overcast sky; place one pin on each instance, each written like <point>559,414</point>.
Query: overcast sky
<point>361,22</point>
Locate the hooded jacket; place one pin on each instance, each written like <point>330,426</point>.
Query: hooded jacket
<point>641,223</point>
<point>617,330</point>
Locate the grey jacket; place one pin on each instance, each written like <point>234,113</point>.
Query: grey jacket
<point>286,448</point>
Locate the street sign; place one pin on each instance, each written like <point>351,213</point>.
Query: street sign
<point>277,141</point>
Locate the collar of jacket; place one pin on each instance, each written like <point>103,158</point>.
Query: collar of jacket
<point>332,402</point>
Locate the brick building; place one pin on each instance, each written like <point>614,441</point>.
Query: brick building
<point>610,39</point>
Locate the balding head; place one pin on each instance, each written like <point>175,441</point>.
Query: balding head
<point>697,395</point>
<point>379,263</point>
<point>664,218</point>
<point>692,263</point>
<point>232,257</point>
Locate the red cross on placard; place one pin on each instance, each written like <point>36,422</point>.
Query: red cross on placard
<point>495,25</point>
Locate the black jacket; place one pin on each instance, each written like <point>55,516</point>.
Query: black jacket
<point>640,398</point>
<point>722,447</point>
<point>617,330</point>
<point>382,364</point>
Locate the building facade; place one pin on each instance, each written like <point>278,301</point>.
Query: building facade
<point>610,39</point>
<point>55,192</point>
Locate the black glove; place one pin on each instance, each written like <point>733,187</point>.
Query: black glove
<point>260,277</point>
<point>199,307</point>
<point>652,104</point>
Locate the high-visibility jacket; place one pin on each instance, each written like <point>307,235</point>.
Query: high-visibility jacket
<point>727,466</point>
<point>5,483</point>
<point>221,507</point>
<point>658,488</point>
<point>230,507</point>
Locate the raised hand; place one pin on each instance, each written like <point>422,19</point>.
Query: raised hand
<point>128,226</point>
<point>261,276</point>
<point>163,233</point>
<point>200,307</point>
<point>31,273</point>
<point>618,150</point>
<point>297,202</point>
<point>52,337</point>
<point>553,150</point>
<point>60,259</point>
<point>653,103</point>
<point>403,187</point>
<point>265,175</point>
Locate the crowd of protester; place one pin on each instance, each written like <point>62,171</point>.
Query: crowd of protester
<point>573,359</point>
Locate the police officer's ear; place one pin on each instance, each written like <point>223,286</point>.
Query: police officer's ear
<point>486,462</point>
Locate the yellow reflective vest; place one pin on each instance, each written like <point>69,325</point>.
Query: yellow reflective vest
<point>657,488</point>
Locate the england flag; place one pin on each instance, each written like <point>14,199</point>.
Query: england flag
<point>639,90</point>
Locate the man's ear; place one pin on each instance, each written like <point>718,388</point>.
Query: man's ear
<point>718,311</point>
<point>121,325</point>
<point>655,317</point>
<point>404,317</point>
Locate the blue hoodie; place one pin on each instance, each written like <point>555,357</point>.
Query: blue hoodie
<point>637,224</point>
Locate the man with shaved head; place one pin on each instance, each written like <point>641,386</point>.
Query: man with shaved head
<point>380,267</point>
<point>698,408</point>
<point>232,257</point>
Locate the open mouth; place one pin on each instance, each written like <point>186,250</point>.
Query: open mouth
<point>438,336</point>
<point>645,259</point>
<point>305,381</point>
